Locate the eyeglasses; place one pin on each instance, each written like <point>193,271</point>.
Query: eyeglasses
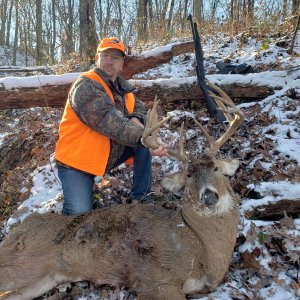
<point>112,56</point>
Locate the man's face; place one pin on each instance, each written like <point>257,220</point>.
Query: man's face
<point>110,61</point>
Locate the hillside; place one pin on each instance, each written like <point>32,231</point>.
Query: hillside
<point>265,264</point>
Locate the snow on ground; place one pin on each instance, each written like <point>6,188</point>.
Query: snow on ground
<point>46,190</point>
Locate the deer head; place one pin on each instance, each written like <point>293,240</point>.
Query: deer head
<point>202,176</point>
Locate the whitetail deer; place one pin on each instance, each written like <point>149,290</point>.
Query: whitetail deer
<point>158,253</point>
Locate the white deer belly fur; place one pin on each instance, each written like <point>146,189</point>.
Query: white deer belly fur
<point>40,287</point>
<point>193,285</point>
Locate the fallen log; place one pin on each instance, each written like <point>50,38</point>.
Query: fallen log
<point>54,93</point>
<point>135,64</point>
<point>275,211</point>
<point>12,69</point>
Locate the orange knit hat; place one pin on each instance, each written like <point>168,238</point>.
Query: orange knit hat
<point>111,43</point>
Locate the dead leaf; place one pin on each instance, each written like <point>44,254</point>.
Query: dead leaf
<point>249,261</point>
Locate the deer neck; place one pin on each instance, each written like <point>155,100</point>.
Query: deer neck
<point>207,227</point>
<point>216,236</point>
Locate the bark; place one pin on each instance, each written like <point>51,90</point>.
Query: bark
<point>88,37</point>
<point>167,90</point>
<point>3,13</point>
<point>39,32</point>
<point>43,70</point>
<point>138,64</point>
<point>52,49</point>
<point>275,211</point>
<point>16,33</point>
<point>169,25</point>
<point>295,34</point>
<point>198,10</point>
<point>142,21</point>
<point>284,9</point>
<point>295,7</point>
<point>9,23</point>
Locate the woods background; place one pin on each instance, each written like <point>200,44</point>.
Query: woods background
<point>54,30</point>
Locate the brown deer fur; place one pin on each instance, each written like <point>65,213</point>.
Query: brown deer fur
<point>158,253</point>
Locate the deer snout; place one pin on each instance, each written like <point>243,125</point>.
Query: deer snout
<point>209,197</point>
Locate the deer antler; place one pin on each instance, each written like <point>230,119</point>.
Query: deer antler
<point>179,154</point>
<point>233,114</point>
<point>150,134</point>
<point>149,137</point>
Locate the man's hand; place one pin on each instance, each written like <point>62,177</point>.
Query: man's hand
<point>162,150</point>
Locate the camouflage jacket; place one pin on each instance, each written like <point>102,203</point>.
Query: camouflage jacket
<point>94,108</point>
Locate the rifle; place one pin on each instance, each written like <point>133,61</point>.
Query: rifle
<point>211,104</point>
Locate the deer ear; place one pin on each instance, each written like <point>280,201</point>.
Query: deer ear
<point>174,182</point>
<point>227,166</point>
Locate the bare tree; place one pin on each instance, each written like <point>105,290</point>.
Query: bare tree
<point>184,16</point>
<point>284,9</point>
<point>142,20</point>
<point>53,42</point>
<point>214,6</point>
<point>295,7</point>
<point>9,23</point>
<point>297,25</point>
<point>3,13</point>
<point>16,33</point>
<point>39,32</point>
<point>88,36</point>
<point>170,15</point>
<point>198,9</point>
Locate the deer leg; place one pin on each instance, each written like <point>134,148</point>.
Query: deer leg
<point>37,289</point>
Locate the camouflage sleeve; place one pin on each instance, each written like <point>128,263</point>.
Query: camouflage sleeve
<point>95,109</point>
<point>140,111</point>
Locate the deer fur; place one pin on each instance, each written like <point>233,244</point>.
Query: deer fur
<point>158,253</point>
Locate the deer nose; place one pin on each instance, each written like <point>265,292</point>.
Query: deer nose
<point>209,197</point>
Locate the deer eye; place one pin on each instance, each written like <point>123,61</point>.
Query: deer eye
<point>216,169</point>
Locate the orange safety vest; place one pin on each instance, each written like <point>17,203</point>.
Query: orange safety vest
<point>78,145</point>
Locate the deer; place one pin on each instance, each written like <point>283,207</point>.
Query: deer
<point>159,253</point>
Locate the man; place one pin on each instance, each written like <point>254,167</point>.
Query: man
<point>100,129</point>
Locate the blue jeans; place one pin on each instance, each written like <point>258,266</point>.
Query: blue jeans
<point>78,186</point>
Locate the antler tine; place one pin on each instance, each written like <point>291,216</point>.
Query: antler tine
<point>235,121</point>
<point>150,134</point>
<point>221,100</point>
<point>180,155</point>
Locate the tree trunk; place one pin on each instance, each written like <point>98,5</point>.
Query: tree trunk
<point>9,23</point>
<point>88,37</point>
<point>184,18</point>
<point>169,25</point>
<point>142,21</point>
<point>67,24</point>
<point>284,9</point>
<point>250,11</point>
<point>39,32</point>
<point>16,33</point>
<point>295,34</point>
<point>120,18</point>
<point>295,7</point>
<point>198,10</point>
<point>53,42</point>
<point>100,17</point>
<point>3,13</point>
<point>275,211</point>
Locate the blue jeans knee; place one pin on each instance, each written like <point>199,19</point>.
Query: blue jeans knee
<point>77,189</point>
